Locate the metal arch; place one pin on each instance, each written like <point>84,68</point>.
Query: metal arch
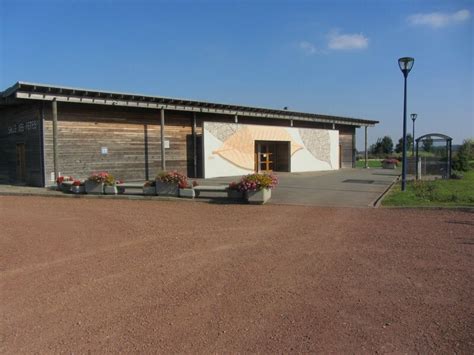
<point>439,135</point>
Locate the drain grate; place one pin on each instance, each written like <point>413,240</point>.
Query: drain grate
<point>355,181</point>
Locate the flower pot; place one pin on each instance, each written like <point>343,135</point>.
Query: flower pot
<point>110,190</point>
<point>94,188</point>
<point>149,190</point>
<point>186,193</point>
<point>258,197</point>
<point>234,194</point>
<point>78,189</point>
<point>389,165</point>
<point>167,189</point>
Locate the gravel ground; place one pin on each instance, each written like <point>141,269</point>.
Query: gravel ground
<point>79,275</point>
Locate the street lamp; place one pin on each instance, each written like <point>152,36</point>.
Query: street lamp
<point>413,118</point>
<point>405,64</point>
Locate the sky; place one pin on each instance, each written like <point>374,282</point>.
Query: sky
<point>330,57</point>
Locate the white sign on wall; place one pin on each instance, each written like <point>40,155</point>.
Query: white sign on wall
<point>104,151</point>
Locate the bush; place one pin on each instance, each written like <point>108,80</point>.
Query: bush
<point>464,155</point>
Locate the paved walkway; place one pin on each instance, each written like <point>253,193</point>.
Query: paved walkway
<point>341,188</point>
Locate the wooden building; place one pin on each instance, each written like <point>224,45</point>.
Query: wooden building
<point>47,131</point>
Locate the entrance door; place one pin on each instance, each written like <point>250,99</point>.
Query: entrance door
<point>20,162</point>
<point>265,153</point>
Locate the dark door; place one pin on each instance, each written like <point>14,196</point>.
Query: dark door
<point>20,162</point>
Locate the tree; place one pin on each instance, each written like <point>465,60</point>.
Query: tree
<point>399,146</point>
<point>464,154</point>
<point>427,144</point>
<point>382,146</point>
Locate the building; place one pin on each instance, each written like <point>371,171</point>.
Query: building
<point>47,131</point>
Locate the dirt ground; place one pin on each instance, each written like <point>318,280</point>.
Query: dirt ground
<point>79,275</point>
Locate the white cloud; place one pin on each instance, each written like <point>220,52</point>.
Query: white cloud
<point>339,41</point>
<point>439,19</point>
<point>307,47</point>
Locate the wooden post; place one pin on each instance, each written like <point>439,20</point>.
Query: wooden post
<point>366,152</point>
<point>236,118</point>
<point>55,137</point>
<point>194,145</point>
<point>354,149</point>
<point>163,155</point>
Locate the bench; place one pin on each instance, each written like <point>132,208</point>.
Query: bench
<point>203,188</point>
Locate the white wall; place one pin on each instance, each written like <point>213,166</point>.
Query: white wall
<point>228,147</point>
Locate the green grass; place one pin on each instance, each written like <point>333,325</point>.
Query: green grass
<point>373,163</point>
<point>434,193</point>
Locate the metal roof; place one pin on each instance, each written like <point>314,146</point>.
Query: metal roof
<point>44,92</point>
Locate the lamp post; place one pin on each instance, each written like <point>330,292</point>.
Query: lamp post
<point>405,64</point>
<point>413,118</point>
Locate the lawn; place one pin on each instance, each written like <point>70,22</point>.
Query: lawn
<point>373,163</point>
<point>434,193</point>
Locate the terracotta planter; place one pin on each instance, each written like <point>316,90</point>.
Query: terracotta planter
<point>94,188</point>
<point>166,189</point>
<point>78,189</point>
<point>149,190</point>
<point>258,197</point>
<point>186,193</point>
<point>110,190</point>
<point>235,194</point>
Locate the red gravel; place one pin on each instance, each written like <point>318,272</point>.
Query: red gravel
<point>80,275</point>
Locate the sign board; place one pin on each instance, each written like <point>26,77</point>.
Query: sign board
<point>104,151</point>
<point>167,144</point>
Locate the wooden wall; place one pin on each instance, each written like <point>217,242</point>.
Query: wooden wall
<point>131,136</point>
<point>21,124</point>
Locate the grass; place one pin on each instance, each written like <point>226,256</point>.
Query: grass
<point>437,193</point>
<point>373,163</point>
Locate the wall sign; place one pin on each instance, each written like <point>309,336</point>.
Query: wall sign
<point>23,127</point>
<point>167,144</point>
<point>104,151</point>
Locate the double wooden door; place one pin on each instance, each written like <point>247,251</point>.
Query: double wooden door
<point>265,157</point>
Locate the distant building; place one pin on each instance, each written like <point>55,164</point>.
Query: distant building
<point>79,131</point>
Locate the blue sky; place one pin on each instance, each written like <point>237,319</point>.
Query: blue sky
<point>334,57</point>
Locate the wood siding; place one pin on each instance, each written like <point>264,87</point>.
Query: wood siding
<point>131,136</point>
<point>21,124</point>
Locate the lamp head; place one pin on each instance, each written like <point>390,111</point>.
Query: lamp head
<point>405,64</point>
<point>413,116</point>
